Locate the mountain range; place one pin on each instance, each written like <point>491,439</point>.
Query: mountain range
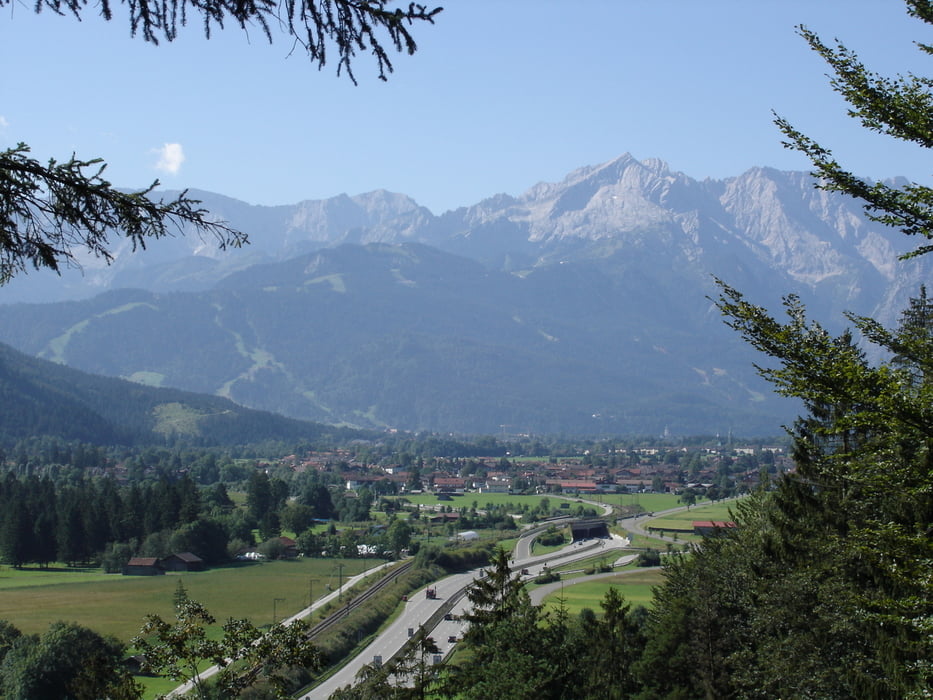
<point>578,307</point>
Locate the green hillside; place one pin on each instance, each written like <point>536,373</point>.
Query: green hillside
<point>40,398</point>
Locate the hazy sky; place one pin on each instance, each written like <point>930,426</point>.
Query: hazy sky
<point>501,94</point>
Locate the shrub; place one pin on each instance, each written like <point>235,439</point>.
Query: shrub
<point>650,557</point>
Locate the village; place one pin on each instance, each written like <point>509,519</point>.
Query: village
<point>710,472</point>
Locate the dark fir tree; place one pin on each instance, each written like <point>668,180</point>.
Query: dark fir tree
<point>899,107</point>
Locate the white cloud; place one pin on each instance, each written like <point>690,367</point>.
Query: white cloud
<point>171,156</point>
<point>3,122</point>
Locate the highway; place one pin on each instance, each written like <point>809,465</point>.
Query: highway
<point>419,609</point>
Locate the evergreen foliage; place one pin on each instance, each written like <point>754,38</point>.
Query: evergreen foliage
<point>516,650</point>
<point>824,587</point>
<point>899,107</point>
<point>41,398</point>
<point>94,521</point>
<point>49,210</point>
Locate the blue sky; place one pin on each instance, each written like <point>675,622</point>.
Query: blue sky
<point>500,95</point>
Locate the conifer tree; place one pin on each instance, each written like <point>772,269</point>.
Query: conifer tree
<point>850,531</point>
<point>899,107</point>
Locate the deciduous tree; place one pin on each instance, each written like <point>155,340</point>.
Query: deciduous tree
<point>244,653</point>
<point>68,661</point>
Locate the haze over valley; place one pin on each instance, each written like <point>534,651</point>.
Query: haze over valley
<point>577,307</point>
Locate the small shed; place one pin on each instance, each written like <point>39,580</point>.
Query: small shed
<point>183,561</point>
<point>289,548</point>
<point>143,566</point>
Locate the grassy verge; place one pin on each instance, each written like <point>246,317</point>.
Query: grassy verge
<point>538,549</point>
<point>592,562</point>
<point>680,525</point>
<point>635,586</point>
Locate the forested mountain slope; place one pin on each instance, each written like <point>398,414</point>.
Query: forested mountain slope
<point>43,398</point>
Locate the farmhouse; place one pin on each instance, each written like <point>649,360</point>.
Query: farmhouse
<point>448,484</point>
<point>571,485</point>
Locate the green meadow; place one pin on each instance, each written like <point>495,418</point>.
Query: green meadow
<point>650,502</point>
<point>636,587</point>
<point>684,519</point>
<point>116,605</point>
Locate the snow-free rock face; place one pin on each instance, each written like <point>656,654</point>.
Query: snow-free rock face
<point>365,218</point>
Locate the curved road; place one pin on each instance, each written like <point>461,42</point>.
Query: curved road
<point>637,524</point>
<point>542,592</point>
<point>420,608</point>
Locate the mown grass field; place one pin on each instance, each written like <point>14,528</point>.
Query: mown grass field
<point>650,502</point>
<point>636,587</point>
<point>683,519</point>
<point>54,575</point>
<point>537,549</point>
<point>116,605</point>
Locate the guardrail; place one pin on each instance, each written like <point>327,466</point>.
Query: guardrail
<point>455,598</point>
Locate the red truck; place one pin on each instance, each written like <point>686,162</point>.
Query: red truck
<point>431,593</point>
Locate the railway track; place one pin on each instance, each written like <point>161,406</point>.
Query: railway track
<point>357,601</point>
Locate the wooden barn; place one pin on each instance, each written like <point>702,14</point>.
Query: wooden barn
<point>184,561</point>
<point>143,566</point>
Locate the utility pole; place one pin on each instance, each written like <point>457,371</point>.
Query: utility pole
<point>340,580</point>
<point>274,602</point>
<point>310,592</point>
